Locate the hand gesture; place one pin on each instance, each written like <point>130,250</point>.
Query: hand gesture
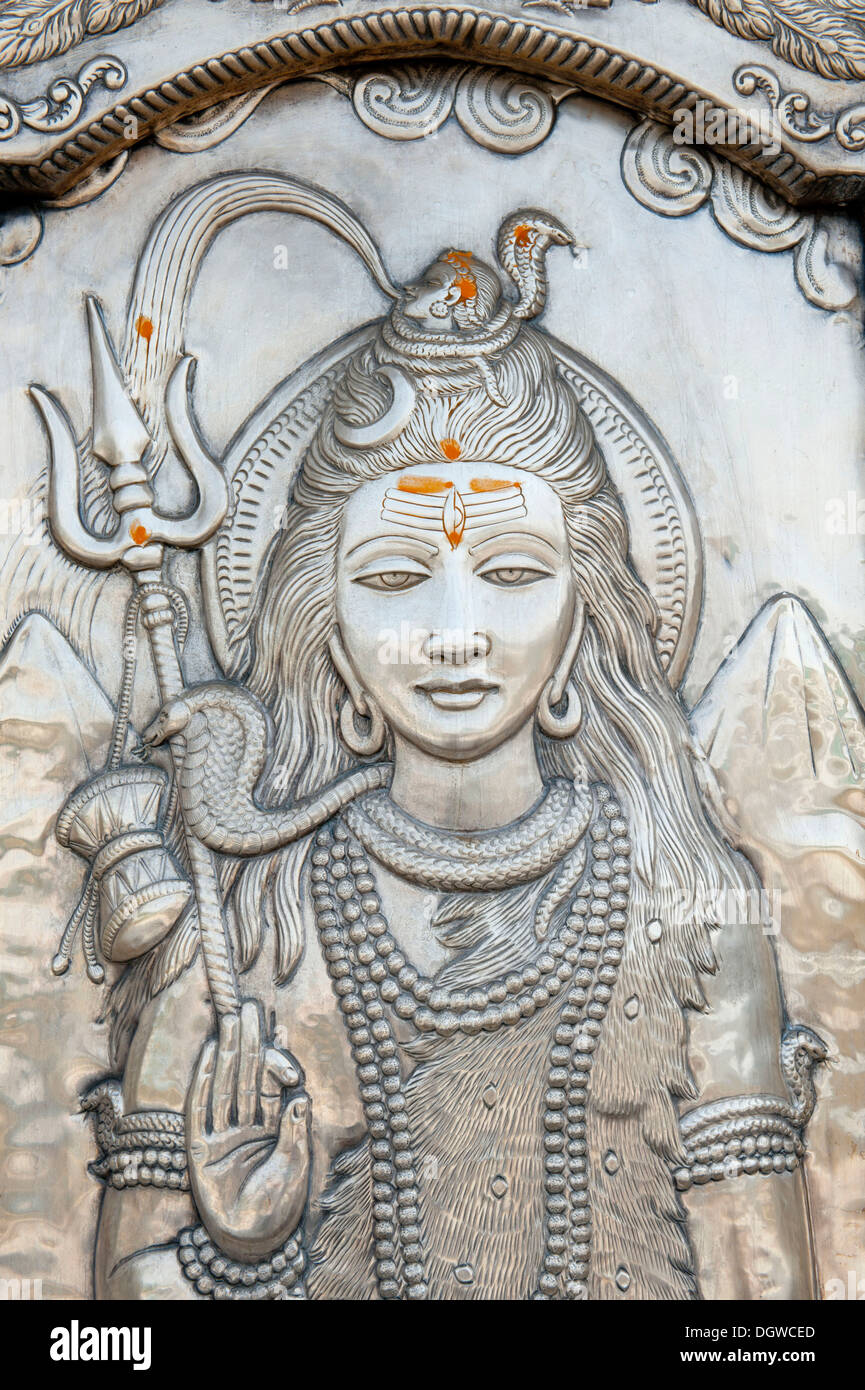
<point>247,1141</point>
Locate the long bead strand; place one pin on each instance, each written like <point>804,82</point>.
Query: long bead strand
<point>345,926</point>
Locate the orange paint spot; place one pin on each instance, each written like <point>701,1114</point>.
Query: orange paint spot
<point>144,328</point>
<point>423,485</point>
<point>465,282</point>
<point>491,485</point>
<point>450,448</point>
<point>139,534</point>
<point>522,235</point>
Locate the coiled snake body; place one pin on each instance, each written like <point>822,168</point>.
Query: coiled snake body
<point>801,1049</point>
<point>225,730</point>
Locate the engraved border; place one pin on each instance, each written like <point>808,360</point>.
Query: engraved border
<point>501,40</point>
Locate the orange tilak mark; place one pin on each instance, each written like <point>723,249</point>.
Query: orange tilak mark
<point>424,485</point>
<point>144,329</point>
<point>522,235</point>
<point>450,449</point>
<point>139,534</point>
<point>491,485</point>
<point>454,519</point>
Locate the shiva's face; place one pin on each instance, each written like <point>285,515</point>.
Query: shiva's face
<point>455,601</point>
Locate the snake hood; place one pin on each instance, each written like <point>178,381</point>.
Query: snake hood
<point>225,733</point>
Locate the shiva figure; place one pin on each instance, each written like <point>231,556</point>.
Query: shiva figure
<point>495,1038</point>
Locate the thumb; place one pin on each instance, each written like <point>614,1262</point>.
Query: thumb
<point>293,1138</point>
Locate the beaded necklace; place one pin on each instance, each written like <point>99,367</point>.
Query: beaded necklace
<point>369,974</point>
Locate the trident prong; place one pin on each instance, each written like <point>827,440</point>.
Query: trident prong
<point>208,477</point>
<point>119,433</point>
<point>96,552</point>
<point>120,439</point>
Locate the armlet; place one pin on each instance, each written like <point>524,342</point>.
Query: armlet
<point>757,1133</point>
<point>146,1148</point>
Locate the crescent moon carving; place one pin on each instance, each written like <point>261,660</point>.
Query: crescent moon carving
<point>389,425</point>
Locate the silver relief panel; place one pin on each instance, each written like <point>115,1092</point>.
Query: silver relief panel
<point>432,740</point>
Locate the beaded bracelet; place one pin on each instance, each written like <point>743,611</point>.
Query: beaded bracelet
<point>146,1148</point>
<point>143,1168</point>
<point>215,1275</point>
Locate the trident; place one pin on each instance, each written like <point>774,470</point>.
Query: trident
<point>120,439</point>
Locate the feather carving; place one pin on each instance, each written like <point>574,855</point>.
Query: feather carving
<point>826,37</point>
<point>33,30</point>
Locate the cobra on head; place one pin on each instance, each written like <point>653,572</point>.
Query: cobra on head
<point>172,719</point>
<point>458,294</point>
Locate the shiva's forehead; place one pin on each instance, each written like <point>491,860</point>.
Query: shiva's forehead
<point>448,501</point>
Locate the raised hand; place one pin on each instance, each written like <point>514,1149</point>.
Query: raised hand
<point>248,1143</point>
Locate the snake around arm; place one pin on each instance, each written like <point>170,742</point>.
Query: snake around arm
<point>801,1049</point>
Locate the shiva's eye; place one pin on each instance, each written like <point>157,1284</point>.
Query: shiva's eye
<point>510,577</point>
<point>392,581</point>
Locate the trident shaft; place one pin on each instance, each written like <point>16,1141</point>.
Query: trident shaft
<point>120,439</point>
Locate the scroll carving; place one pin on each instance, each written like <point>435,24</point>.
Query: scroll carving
<point>506,118</point>
<point>794,113</point>
<point>500,110</point>
<point>64,101</point>
<point>676,180</point>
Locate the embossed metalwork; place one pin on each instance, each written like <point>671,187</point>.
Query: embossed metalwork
<point>754,1134</point>
<point>33,30</point>
<point>556,54</point>
<point>64,101</point>
<point>675,180</point>
<point>457,341</point>
<point>794,112</point>
<point>820,36</point>
<point>498,109</point>
<point>415,882</point>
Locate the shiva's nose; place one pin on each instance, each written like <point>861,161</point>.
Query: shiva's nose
<point>455,647</point>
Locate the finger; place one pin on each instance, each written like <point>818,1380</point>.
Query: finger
<point>198,1095</point>
<point>225,1071</point>
<point>249,1058</point>
<point>271,1107</point>
<point>280,1070</point>
<point>278,1073</point>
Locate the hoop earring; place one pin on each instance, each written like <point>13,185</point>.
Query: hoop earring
<point>364,745</point>
<point>563,725</point>
<point>440,309</point>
